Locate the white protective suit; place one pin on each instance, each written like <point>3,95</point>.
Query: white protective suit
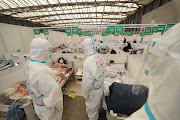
<point>163,100</point>
<point>92,82</point>
<point>42,83</point>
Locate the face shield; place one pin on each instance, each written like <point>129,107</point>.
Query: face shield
<point>50,52</point>
<point>40,49</point>
<point>156,50</point>
<point>160,55</point>
<point>174,51</point>
<point>164,84</point>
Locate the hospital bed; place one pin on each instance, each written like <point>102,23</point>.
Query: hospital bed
<point>134,66</point>
<point>126,79</point>
<point>116,116</point>
<point>28,106</point>
<point>63,78</point>
<point>11,95</point>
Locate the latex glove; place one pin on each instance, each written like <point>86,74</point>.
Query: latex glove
<point>59,106</point>
<point>86,96</point>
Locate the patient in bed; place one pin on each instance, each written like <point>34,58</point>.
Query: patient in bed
<point>60,62</point>
<point>62,70</point>
<point>61,67</point>
<point>114,73</point>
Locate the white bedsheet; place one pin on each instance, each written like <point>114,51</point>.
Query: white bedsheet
<point>125,78</point>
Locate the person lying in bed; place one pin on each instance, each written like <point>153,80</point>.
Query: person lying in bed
<point>115,70</point>
<point>61,62</point>
<point>112,62</point>
<point>62,67</point>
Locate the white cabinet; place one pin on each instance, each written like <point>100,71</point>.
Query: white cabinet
<point>79,76</point>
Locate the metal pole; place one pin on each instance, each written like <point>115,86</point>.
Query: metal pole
<point>104,25</point>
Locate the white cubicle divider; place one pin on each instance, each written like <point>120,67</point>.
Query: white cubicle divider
<point>118,59</point>
<point>11,76</point>
<point>140,58</point>
<point>141,46</point>
<point>134,68</point>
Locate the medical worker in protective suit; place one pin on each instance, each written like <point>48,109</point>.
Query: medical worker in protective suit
<point>42,83</point>
<point>92,82</point>
<point>164,84</point>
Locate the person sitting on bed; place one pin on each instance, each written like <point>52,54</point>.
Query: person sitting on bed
<point>112,62</point>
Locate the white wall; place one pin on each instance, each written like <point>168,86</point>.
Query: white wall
<point>56,38</point>
<point>2,47</point>
<point>11,76</point>
<point>41,35</point>
<point>27,34</point>
<point>176,4</point>
<point>97,37</point>
<point>164,14</point>
<point>134,68</point>
<point>15,38</point>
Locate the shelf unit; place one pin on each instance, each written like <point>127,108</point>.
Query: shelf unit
<point>79,76</point>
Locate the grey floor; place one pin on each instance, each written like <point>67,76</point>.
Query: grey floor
<point>75,109</point>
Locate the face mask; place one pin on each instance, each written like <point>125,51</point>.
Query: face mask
<point>61,61</point>
<point>111,64</point>
<point>50,55</point>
